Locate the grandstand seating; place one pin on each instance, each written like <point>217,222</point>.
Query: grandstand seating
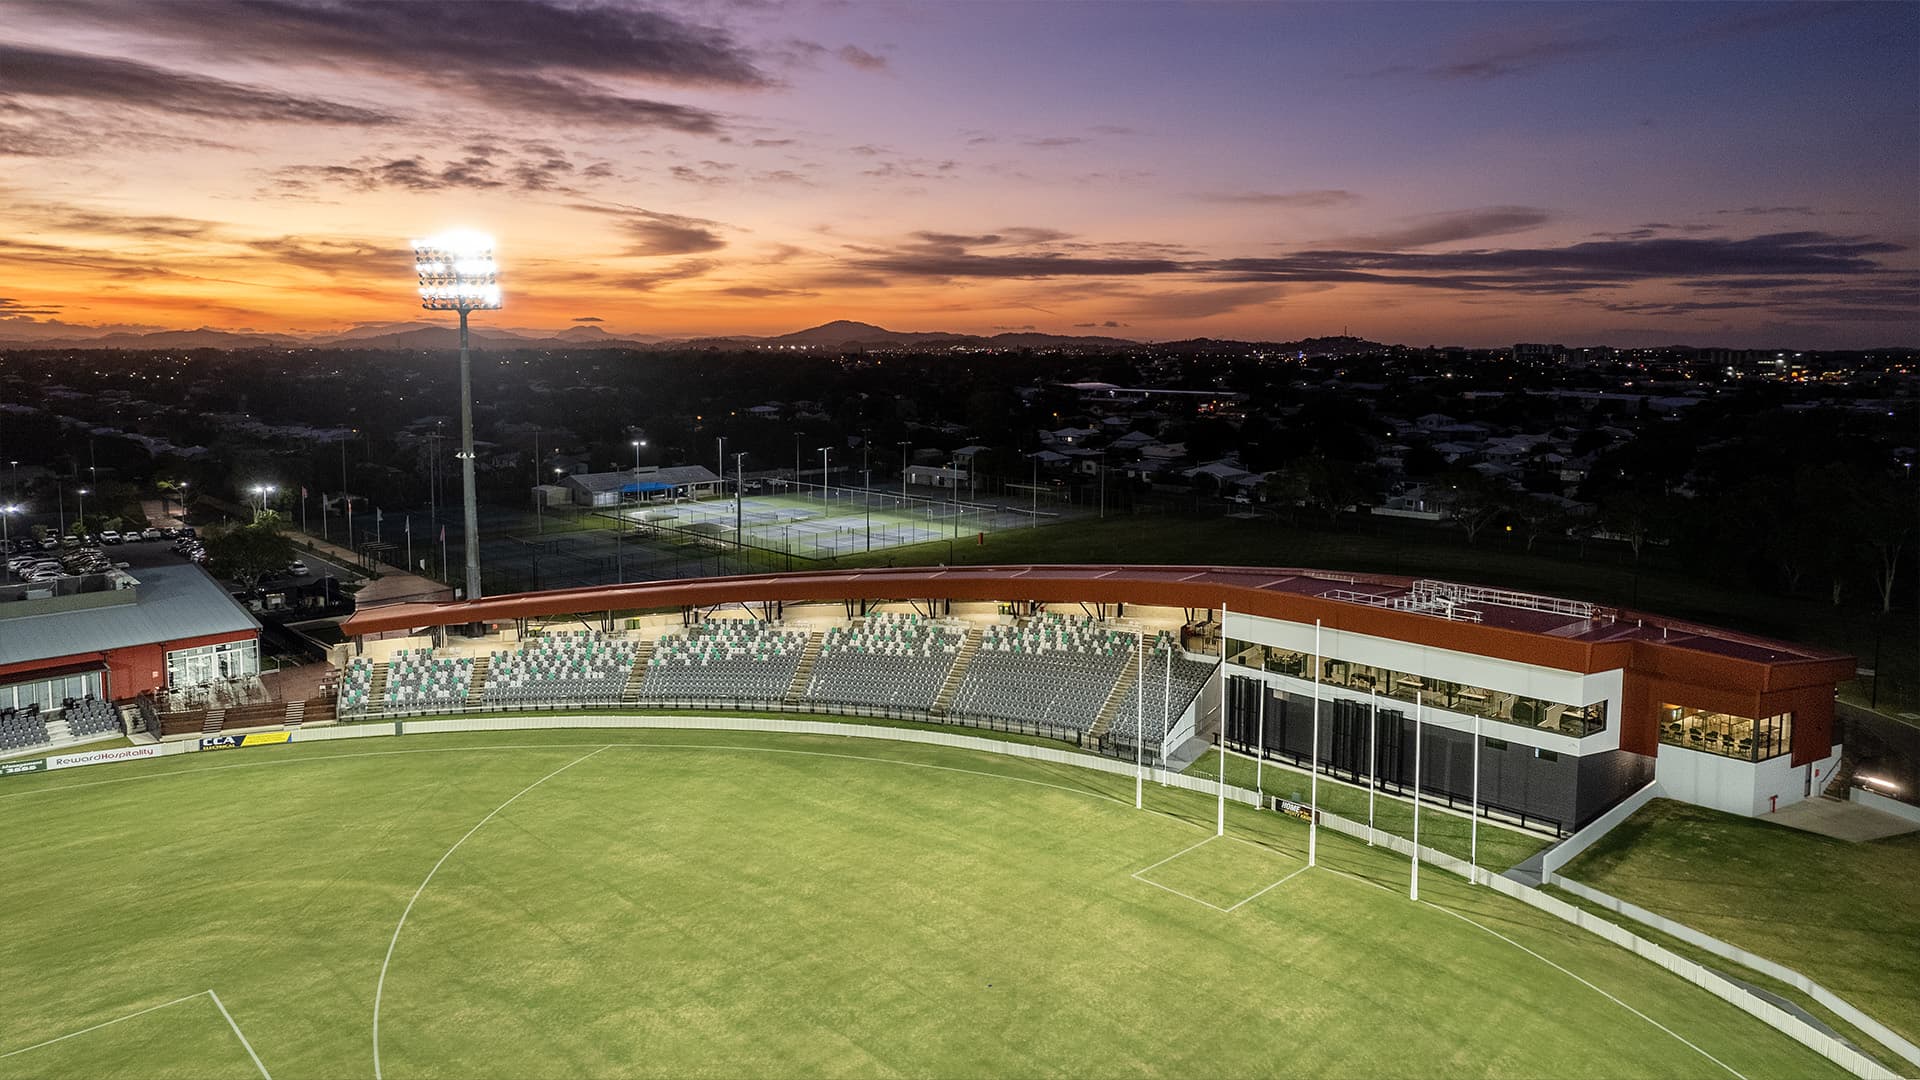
<point>356,685</point>
<point>724,660</point>
<point>22,728</point>
<point>886,661</point>
<point>1160,707</point>
<point>91,716</point>
<point>416,678</point>
<point>1051,671</point>
<point>579,665</point>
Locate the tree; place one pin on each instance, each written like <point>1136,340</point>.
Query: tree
<point>1471,500</point>
<point>1885,522</point>
<point>1631,516</point>
<point>246,554</point>
<point>1537,515</point>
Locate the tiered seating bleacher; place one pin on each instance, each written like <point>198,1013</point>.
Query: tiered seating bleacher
<point>889,661</point>
<point>578,665</point>
<point>1051,671</point>
<point>356,684</point>
<point>416,677</point>
<point>21,728</point>
<point>725,660</point>
<point>91,716</point>
<point>1189,677</point>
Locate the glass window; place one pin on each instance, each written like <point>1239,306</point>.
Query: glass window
<point>206,663</point>
<point>1498,705</point>
<point>1725,734</point>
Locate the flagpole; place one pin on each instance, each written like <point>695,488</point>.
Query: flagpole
<point>1313,758</point>
<point>1220,825</point>
<point>1413,892</point>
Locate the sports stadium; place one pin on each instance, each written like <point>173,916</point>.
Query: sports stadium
<point>1016,820</point>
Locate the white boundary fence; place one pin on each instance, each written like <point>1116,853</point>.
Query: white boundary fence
<point>1833,1049</point>
<point>1840,1006</point>
<point>1564,852</point>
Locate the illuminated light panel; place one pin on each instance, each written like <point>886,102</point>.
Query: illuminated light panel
<point>457,272</point>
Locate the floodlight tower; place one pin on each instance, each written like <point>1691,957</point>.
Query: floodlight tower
<point>458,273</point>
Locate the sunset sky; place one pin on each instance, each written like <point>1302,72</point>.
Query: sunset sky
<point>1448,173</point>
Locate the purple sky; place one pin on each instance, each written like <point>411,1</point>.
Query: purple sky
<point>1471,173</point>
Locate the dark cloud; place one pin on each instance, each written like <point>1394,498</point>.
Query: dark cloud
<point>773,142</point>
<point>1769,211</point>
<point>653,233</point>
<point>582,101</point>
<point>533,167</point>
<point>764,292</point>
<point>1575,268</point>
<point>1110,324</point>
<point>950,255</point>
<point>684,270</point>
<point>1454,227</point>
<point>1315,199</point>
<point>588,318</point>
<point>44,73</point>
<point>1051,142</point>
<point>861,58</point>
<point>337,258</point>
<point>444,36</point>
<point>11,308</point>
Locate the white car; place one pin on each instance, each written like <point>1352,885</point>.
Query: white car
<point>297,568</point>
<point>152,534</point>
<point>109,536</point>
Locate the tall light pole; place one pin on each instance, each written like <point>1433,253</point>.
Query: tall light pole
<point>6,537</point>
<point>80,522</point>
<point>739,493</point>
<point>458,273</point>
<point>823,478</point>
<point>903,466</point>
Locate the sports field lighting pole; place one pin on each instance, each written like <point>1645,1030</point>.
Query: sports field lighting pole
<point>80,522</point>
<point>903,444</point>
<point>1313,759</point>
<point>458,273</point>
<point>1413,892</point>
<point>1166,713</point>
<point>823,478</point>
<point>6,537</point>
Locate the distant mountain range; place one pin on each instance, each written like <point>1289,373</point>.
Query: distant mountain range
<point>839,334</point>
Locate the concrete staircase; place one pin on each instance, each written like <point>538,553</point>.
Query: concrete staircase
<point>631,694</point>
<point>477,687</point>
<point>969,646</point>
<point>377,689</point>
<point>1127,675</point>
<point>803,675</point>
<point>296,713</point>
<point>214,719</point>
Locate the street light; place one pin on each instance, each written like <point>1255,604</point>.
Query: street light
<point>823,477</point>
<point>80,522</point>
<point>6,537</point>
<point>458,273</point>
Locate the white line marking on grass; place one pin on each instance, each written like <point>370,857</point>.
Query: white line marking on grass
<point>109,1023</point>
<point>1182,895</point>
<point>304,760</point>
<point>1270,888</point>
<point>1588,985</point>
<point>1176,855</point>
<point>380,987</point>
<point>257,1063</point>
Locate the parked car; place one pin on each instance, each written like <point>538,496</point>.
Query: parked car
<point>151,534</point>
<point>49,543</point>
<point>110,536</point>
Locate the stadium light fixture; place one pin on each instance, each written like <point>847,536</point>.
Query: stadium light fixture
<point>6,538</point>
<point>458,272</point>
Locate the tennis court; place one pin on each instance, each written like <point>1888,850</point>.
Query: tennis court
<point>817,525</point>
